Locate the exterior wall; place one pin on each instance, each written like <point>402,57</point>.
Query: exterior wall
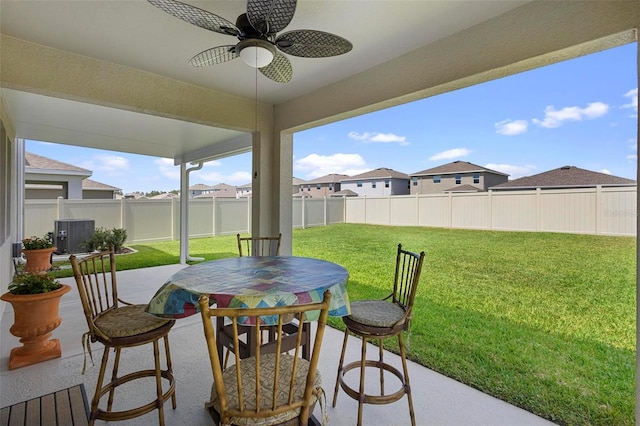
<point>8,200</point>
<point>43,194</point>
<point>396,187</point>
<point>448,181</point>
<point>326,189</point>
<point>88,194</point>
<point>73,184</point>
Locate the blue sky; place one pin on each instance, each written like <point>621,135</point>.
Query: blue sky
<point>582,112</point>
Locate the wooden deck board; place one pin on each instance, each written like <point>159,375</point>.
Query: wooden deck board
<point>67,407</point>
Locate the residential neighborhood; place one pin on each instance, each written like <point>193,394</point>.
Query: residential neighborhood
<point>49,179</point>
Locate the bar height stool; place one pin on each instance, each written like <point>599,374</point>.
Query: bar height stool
<point>118,325</point>
<point>379,320</point>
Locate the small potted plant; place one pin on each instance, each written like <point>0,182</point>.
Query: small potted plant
<point>35,298</point>
<point>37,251</point>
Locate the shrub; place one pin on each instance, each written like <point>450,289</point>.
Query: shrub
<point>30,283</point>
<point>36,243</point>
<point>103,237</point>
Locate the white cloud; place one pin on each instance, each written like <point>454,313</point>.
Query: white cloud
<point>112,165</point>
<point>315,165</point>
<point>450,154</point>
<point>632,157</point>
<point>555,118</point>
<point>514,172</point>
<point>633,95</point>
<point>167,169</point>
<point>368,137</point>
<point>511,127</point>
<point>209,176</point>
<point>605,171</point>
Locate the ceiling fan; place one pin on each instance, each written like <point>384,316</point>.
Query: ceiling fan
<point>259,45</point>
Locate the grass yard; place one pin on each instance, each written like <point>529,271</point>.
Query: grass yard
<point>544,321</point>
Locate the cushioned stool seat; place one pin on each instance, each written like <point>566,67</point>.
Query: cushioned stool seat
<point>381,319</point>
<point>117,325</point>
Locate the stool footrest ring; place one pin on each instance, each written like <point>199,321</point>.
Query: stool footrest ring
<point>138,411</point>
<point>373,399</point>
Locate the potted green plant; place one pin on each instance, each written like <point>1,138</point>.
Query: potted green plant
<point>35,298</point>
<point>37,251</point>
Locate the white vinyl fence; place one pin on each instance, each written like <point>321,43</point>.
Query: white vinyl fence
<point>601,211</point>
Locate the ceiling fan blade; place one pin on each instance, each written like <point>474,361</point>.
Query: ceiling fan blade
<point>196,16</point>
<point>312,44</point>
<point>270,16</point>
<point>279,70</point>
<point>213,56</point>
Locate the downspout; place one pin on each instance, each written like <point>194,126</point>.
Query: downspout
<point>184,213</point>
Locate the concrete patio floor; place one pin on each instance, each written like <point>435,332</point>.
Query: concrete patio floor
<point>438,400</point>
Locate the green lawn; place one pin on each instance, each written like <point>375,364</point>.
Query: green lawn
<point>543,321</point>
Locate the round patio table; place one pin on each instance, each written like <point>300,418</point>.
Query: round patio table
<point>253,282</point>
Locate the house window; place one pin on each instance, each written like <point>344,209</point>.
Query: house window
<point>308,187</point>
<point>373,184</point>
<point>359,184</point>
<point>415,181</point>
<point>458,179</point>
<point>330,187</point>
<point>301,188</point>
<point>318,186</point>
<point>387,183</point>
<point>436,179</point>
<point>476,178</point>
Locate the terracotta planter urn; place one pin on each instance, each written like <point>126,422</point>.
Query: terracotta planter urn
<point>38,260</point>
<point>35,317</point>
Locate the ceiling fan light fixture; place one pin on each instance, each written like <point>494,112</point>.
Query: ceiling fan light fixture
<point>256,53</point>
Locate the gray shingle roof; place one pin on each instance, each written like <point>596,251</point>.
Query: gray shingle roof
<point>331,178</point>
<point>34,161</point>
<point>566,176</point>
<point>380,173</point>
<point>463,188</point>
<point>97,186</point>
<point>456,167</point>
<point>344,193</point>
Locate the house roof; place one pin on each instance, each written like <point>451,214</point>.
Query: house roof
<point>298,181</point>
<point>344,193</point>
<point>463,188</point>
<point>330,178</point>
<point>199,187</point>
<point>36,163</point>
<point>379,173</point>
<point>97,186</point>
<point>563,177</point>
<point>456,167</point>
<point>164,196</point>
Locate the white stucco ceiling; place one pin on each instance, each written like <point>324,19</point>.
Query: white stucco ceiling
<point>136,34</point>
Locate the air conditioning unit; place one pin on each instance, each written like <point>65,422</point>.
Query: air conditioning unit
<point>69,234</point>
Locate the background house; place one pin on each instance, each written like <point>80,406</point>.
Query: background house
<point>380,182</point>
<point>323,186</point>
<point>46,178</point>
<point>221,190</point>
<point>456,176</point>
<point>565,177</point>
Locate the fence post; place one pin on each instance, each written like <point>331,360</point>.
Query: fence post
<point>450,209</point>
<point>325,210</point>
<point>598,223</point>
<point>123,202</point>
<point>538,209</point>
<point>490,209</point>
<point>60,207</point>
<point>302,212</point>
<point>417,209</point>
<point>214,213</point>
